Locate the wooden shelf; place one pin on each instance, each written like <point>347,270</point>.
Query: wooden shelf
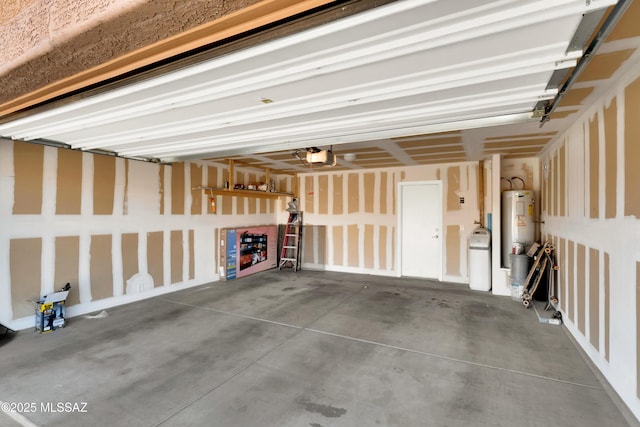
<point>245,193</point>
<point>219,191</point>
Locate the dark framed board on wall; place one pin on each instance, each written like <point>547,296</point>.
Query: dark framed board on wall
<point>247,250</point>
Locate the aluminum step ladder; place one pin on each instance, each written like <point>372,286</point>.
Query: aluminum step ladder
<point>290,254</point>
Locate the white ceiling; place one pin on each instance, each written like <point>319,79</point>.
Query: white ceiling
<point>407,68</point>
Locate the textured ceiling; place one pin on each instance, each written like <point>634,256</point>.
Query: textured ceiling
<point>383,89</point>
<point>47,40</point>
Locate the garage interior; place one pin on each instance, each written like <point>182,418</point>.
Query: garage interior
<point>125,127</point>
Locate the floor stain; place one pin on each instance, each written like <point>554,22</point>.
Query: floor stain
<point>476,309</point>
<point>324,410</point>
<point>289,289</point>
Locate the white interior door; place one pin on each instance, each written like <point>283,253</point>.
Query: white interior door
<point>421,229</point>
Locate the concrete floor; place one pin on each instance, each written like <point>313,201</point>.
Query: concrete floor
<point>308,349</point>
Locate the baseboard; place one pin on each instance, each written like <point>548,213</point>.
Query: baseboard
<point>608,388</point>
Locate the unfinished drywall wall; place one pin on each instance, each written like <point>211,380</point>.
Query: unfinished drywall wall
<point>357,212</point>
<point>25,274</point>
<point>28,162</point>
<point>70,178</point>
<point>117,230</point>
<point>314,250</point>
<point>598,230</point>
<point>104,182</point>
<point>67,257</point>
<point>631,148</point>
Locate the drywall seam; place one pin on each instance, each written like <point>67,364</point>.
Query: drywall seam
<point>119,188</point>
<point>562,180</point>
<point>594,297</point>
<point>607,308</point>
<point>602,194</point>
<point>86,203</point>
<point>316,249</point>
<point>330,253</point>
<point>564,273</point>
<point>593,164</point>
<point>186,254</point>
<point>188,194</point>
<point>316,194</point>
<point>6,207</point>
<point>47,265</point>
<point>345,244</point>
<point>188,201</point>
<point>192,261</point>
<point>361,198</point>
<point>390,201</point>
<point>200,198</point>
<point>116,261</point>
<point>620,177</point>
<point>116,242</point>
<point>204,195</point>
<point>304,193</point>
<point>142,253</point>
<point>376,240</point>
<point>330,197</point>
<point>391,258</point>
<point>345,193</point>
<point>168,199</point>
<point>361,244</point>
<point>166,235</point>
<point>49,184</point>
<point>86,197</point>
<point>166,257</point>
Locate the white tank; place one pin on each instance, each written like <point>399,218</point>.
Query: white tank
<point>518,213</point>
<point>480,260</point>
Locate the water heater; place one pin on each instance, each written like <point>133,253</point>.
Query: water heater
<point>518,212</point>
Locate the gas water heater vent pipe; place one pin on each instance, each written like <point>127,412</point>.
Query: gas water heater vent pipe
<point>509,181</point>
<point>522,180</point>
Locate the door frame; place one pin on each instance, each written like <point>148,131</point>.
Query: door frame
<point>438,184</point>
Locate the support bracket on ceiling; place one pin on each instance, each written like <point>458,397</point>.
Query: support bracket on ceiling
<point>605,29</point>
